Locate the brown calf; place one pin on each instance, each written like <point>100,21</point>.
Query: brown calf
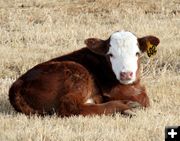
<point>102,78</point>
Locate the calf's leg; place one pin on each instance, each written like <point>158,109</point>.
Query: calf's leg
<point>74,104</point>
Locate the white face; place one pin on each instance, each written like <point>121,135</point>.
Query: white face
<point>123,49</point>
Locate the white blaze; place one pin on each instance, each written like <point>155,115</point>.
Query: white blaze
<point>123,47</point>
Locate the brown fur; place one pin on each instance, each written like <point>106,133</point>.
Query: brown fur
<point>64,84</point>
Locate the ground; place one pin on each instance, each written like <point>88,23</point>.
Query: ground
<point>34,31</point>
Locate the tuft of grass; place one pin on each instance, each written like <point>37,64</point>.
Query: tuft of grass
<point>34,31</point>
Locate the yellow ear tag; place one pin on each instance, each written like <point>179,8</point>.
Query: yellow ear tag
<point>151,49</point>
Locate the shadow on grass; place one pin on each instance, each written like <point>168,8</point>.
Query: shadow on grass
<point>6,108</point>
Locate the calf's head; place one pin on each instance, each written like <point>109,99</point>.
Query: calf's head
<point>123,50</point>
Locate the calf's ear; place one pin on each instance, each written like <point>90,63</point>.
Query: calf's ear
<point>145,41</point>
<point>97,46</point>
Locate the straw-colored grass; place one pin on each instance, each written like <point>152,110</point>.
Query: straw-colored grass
<point>33,31</point>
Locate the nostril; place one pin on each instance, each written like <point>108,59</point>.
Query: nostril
<point>123,74</point>
<point>130,74</point>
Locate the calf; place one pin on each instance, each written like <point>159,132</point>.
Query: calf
<point>102,78</point>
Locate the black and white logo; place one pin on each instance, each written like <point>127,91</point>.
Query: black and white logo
<point>172,133</point>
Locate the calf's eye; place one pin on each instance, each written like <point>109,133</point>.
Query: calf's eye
<point>137,54</point>
<point>110,55</point>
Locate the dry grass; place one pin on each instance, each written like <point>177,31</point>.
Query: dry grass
<point>33,31</point>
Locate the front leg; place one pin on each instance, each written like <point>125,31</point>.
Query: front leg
<point>143,99</point>
<point>134,96</point>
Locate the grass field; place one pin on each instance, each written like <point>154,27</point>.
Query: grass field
<point>34,31</point>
